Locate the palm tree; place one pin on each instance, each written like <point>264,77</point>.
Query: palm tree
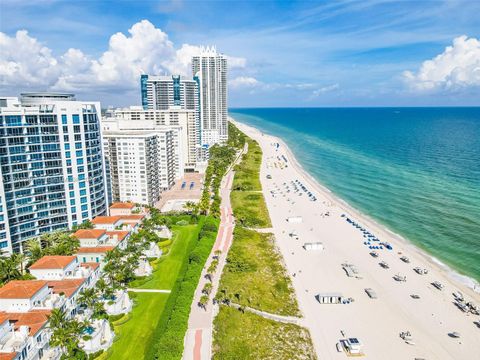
<point>10,268</point>
<point>207,288</point>
<point>88,297</point>
<point>33,249</point>
<point>66,334</point>
<point>203,302</point>
<point>104,289</point>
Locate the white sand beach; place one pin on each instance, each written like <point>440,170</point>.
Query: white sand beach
<point>377,323</point>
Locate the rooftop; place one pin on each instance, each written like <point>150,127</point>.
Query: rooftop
<point>106,220</point>
<point>121,234</point>
<point>122,205</point>
<point>132,218</point>
<point>34,319</point>
<point>67,287</point>
<point>89,233</point>
<point>92,265</point>
<point>21,289</point>
<point>96,249</point>
<point>53,262</point>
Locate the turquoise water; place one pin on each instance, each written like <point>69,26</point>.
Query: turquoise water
<point>415,170</point>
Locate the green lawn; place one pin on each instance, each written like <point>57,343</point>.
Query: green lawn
<point>167,267</point>
<point>255,276</point>
<point>241,336</point>
<point>250,209</point>
<point>135,336</point>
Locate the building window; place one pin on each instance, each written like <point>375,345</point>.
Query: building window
<point>76,119</point>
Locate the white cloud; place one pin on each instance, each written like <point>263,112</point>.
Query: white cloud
<point>244,82</point>
<point>27,64</point>
<point>23,60</point>
<point>323,90</point>
<point>457,67</point>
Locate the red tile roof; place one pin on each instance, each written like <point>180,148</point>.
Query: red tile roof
<point>97,249</point>
<point>53,262</point>
<point>8,356</point>
<point>34,319</point>
<point>93,265</point>
<point>132,218</point>
<point>106,220</point>
<point>121,234</point>
<point>68,287</point>
<point>89,233</point>
<point>21,289</point>
<point>122,205</point>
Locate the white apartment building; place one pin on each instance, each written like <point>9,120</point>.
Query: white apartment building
<point>141,164</point>
<point>135,118</point>
<point>52,173</point>
<point>210,70</point>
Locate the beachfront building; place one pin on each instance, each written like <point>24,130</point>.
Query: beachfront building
<point>124,208</point>
<point>26,336</point>
<point>21,296</point>
<point>141,163</point>
<point>63,268</point>
<point>95,243</point>
<point>52,173</point>
<point>209,68</point>
<point>175,117</point>
<point>163,92</point>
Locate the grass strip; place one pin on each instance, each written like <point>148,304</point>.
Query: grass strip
<point>241,336</point>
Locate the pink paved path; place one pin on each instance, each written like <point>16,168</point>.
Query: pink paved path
<point>198,339</point>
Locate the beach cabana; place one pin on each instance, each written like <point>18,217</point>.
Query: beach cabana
<point>313,246</point>
<point>330,298</point>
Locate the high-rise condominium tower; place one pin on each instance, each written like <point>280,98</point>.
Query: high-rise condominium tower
<point>52,173</point>
<point>210,70</point>
<point>135,117</point>
<point>163,92</point>
<point>141,164</point>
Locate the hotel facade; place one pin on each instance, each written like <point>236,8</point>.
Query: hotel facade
<point>52,173</point>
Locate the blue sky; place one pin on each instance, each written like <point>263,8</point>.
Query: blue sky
<point>342,53</point>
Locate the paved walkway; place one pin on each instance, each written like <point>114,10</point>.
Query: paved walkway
<point>150,291</point>
<point>270,316</point>
<point>198,339</point>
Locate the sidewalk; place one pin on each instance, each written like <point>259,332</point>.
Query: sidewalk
<point>198,339</point>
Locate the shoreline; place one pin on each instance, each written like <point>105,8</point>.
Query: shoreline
<point>453,274</point>
<point>414,304</point>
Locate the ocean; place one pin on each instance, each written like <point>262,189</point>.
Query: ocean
<point>414,170</point>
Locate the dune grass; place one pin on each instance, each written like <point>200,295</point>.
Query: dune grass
<point>241,336</point>
<point>247,172</point>
<point>249,209</point>
<point>254,275</point>
<point>248,203</point>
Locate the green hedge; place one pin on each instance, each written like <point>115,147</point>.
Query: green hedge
<point>171,329</point>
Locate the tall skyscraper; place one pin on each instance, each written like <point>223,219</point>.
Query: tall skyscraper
<point>52,173</point>
<point>210,70</point>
